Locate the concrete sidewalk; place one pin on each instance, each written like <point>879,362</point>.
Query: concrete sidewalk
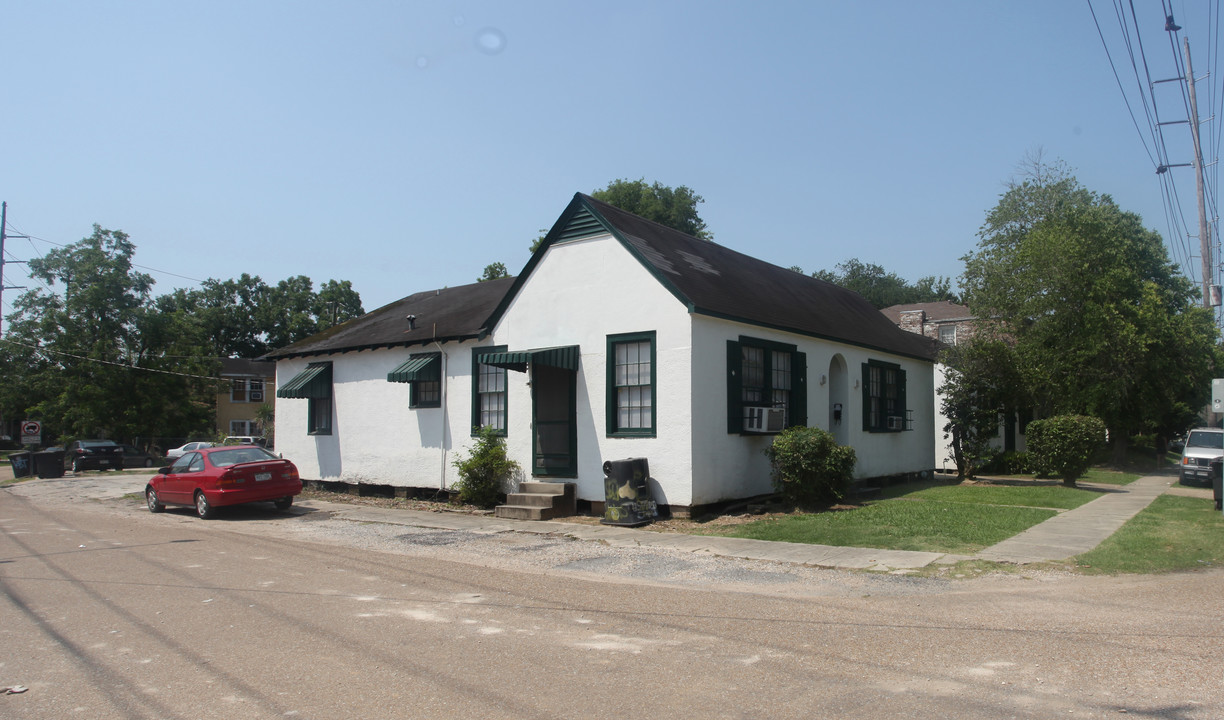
<point>1077,531</point>
<point>1062,536</point>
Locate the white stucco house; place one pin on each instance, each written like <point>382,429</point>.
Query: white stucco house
<point>620,338</point>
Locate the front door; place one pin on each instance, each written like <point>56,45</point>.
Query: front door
<point>555,432</point>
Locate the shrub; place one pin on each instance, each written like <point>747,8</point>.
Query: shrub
<point>1063,446</point>
<point>1008,463</point>
<point>484,473</point>
<point>809,467</point>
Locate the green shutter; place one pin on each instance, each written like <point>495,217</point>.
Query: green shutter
<point>799,392</point>
<point>866,412</point>
<point>735,410</point>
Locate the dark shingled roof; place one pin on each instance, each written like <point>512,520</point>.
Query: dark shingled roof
<point>714,280</point>
<point>707,278</point>
<point>457,313</point>
<point>242,367</point>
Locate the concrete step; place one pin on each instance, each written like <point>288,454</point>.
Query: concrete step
<point>531,499</point>
<point>540,501</point>
<point>546,488</point>
<point>523,512</point>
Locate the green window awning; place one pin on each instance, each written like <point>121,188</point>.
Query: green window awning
<point>516,361</point>
<point>313,382</point>
<point>418,368</point>
<point>565,358</point>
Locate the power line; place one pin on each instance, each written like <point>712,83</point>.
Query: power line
<point>48,352</point>
<point>142,267</point>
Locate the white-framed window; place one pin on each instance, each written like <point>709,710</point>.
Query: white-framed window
<point>947,334</point>
<point>245,390</point>
<point>243,427</point>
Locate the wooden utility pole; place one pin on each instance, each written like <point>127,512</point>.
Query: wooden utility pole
<point>1204,230</point>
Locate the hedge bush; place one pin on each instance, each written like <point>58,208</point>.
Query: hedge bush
<point>485,472</point>
<point>809,467</point>
<point>1008,463</point>
<point>1063,446</point>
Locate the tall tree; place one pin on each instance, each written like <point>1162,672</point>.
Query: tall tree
<point>87,368</point>
<point>980,386</point>
<point>245,317</point>
<point>884,289</point>
<point>493,271</point>
<point>1103,323</point>
<point>673,207</point>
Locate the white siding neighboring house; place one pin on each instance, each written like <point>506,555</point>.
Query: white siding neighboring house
<point>620,338</point>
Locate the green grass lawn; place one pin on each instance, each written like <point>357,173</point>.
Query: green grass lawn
<point>934,518</point>
<point>1173,533</point>
<point>1109,477</point>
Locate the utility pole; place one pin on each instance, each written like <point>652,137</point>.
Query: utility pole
<point>3,235</point>
<point>1204,230</point>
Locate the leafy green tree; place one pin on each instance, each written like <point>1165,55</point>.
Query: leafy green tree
<point>980,386</point>
<point>88,361</point>
<point>494,271</point>
<point>222,316</point>
<point>1102,322</point>
<point>884,289</point>
<point>674,207</point>
<point>245,317</point>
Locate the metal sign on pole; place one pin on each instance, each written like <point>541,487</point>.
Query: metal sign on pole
<point>31,432</point>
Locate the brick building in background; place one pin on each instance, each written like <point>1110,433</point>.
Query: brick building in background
<point>944,321</point>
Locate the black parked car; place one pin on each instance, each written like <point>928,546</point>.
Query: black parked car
<point>93,455</point>
<point>135,457</point>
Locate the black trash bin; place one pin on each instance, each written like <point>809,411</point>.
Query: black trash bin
<point>22,466</point>
<point>49,463</point>
<point>627,500</point>
<point>1217,482</point>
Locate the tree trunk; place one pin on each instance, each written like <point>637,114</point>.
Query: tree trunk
<point>1121,444</point>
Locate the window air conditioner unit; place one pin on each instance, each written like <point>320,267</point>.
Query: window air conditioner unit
<point>762,419</point>
<point>896,422</point>
<point>257,396</point>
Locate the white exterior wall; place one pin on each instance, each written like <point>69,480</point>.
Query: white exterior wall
<point>579,293</point>
<point>728,466</point>
<point>376,438</point>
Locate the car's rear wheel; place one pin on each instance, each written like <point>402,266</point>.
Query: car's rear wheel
<point>204,508</point>
<point>284,503</point>
<point>151,498</point>
<point>148,462</point>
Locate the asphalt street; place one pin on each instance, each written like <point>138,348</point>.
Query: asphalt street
<point>108,611</point>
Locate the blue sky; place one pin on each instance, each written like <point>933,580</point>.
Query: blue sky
<point>405,145</point>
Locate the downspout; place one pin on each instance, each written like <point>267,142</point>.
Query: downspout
<point>442,471</point>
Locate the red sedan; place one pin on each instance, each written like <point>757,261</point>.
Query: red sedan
<point>210,478</point>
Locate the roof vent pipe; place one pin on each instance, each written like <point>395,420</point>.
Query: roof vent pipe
<point>411,323</point>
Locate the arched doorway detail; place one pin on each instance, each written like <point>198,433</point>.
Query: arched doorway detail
<point>839,400</point>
